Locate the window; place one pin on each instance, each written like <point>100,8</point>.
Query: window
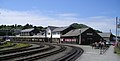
<point>89,33</point>
<point>48,33</point>
<point>89,38</point>
<point>54,33</point>
<point>58,32</point>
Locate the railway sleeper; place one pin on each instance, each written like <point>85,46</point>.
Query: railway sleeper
<point>25,53</point>
<point>20,50</point>
<point>43,55</point>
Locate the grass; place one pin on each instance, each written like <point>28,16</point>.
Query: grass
<point>20,45</point>
<point>17,46</point>
<point>117,49</point>
<point>6,44</point>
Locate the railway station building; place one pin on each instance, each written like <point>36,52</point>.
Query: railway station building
<point>84,36</point>
<point>53,34</point>
<point>108,37</point>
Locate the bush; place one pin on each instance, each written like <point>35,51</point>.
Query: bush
<point>117,48</point>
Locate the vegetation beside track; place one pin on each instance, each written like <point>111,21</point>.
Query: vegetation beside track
<point>15,46</point>
<point>6,44</point>
<point>117,49</point>
<point>20,45</point>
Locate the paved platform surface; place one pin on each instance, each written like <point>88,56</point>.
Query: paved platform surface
<point>94,54</point>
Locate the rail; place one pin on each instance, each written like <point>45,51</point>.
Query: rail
<point>25,53</point>
<point>73,55</point>
<point>63,48</point>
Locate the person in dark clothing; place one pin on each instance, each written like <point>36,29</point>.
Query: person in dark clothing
<point>101,45</point>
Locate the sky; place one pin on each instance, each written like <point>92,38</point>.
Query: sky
<point>98,14</point>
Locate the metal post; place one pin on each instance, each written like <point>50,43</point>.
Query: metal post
<point>80,37</point>
<point>60,37</point>
<point>51,37</point>
<point>116,28</point>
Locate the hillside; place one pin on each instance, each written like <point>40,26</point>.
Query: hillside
<point>78,26</point>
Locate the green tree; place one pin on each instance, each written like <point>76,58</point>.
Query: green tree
<point>27,26</point>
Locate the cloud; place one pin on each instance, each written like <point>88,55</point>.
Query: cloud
<point>9,17</point>
<point>102,23</point>
<point>23,17</point>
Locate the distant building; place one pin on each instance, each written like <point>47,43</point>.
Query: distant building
<point>16,31</point>
<point>55,33</point>
<point>29,32</point>
<point>42,33</point>
<point>107,36</point>
<point>58,32</point>
<point>49,31</point>
<point>81,36</point>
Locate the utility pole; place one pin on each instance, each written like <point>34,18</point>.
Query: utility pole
<point>116,27</point>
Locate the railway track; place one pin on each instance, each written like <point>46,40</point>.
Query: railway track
<point>24,53</point>
<point>71,56</point>
<point>36,53</point>
<point>20,49</point>
<point>62,48</point>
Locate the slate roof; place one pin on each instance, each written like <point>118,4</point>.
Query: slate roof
<point>52,27</point>
<point>27,30</point>
<point>59,29</point>
<point>75,32</point>
<point>104,34</point>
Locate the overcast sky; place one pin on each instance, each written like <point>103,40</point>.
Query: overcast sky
<point>98,14</point>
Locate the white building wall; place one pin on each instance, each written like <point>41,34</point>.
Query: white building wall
<point>56,35</point>
<point>48,32</point>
